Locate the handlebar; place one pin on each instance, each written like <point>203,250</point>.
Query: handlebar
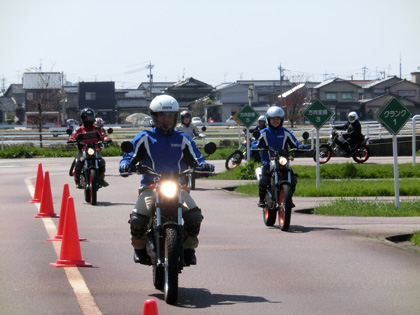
<point>268,148</point>
<point>81,142</point>
<point>147,170</point>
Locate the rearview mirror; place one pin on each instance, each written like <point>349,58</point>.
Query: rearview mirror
<point>210,148</point>
<point>127,147</point>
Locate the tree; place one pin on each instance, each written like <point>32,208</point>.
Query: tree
<point>44,98</point>
<point>293,104</point>
<point>199,107</point>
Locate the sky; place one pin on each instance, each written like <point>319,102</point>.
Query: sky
<point>214,41</point>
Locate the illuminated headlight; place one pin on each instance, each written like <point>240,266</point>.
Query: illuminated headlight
<point>91,151</point>
<point>169,189</point>
<point>282,160</point>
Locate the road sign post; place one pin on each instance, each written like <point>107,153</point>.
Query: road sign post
<point>317,114</point>
<point>247,116</point>
<point>393,116</point>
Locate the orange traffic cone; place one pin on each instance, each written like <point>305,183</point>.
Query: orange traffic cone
<point>66,195</point>
<point>150,307</point>
<point>38,185</point>
<point>46,208</point>
<point>70,255</point>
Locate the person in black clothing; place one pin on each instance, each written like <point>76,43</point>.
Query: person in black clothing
<point>354,134</point>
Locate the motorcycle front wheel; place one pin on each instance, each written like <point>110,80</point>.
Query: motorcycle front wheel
<point>170,291</point>
<point>361,154</point>
<point>285,207</point>
<point>325,154</point>
<point>234,159</point>
<point>93,183</point>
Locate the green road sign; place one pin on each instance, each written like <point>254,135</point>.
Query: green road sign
<point>393,115</point>
<point>317,114</point>
<point>247,116</point>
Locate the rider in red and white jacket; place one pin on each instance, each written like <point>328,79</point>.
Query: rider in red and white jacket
<point>88,133</point>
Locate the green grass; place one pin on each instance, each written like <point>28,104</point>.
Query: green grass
<point>30,151</point>
<point>415,239</point>
<point>361,208</point>
<point>345,188</point>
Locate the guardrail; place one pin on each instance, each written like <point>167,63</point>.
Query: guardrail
<point>215,133</point>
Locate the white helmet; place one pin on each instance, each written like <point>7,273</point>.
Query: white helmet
<point>275,111</point>
<point>353,117</point>
<point>164,103</point>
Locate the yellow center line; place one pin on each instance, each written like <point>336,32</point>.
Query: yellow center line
<point>75,278</point>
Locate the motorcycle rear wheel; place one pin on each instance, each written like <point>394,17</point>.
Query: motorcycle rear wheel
<point>269,216</point>
<point>285,207</point>
<point>234,159</point>
<point>84,182</point>
<point>93,181</point>
<point>361,154</point>
<point>158,277</point>
<point>71,171</point>
<point>170,291</point>
<point>325,154</point>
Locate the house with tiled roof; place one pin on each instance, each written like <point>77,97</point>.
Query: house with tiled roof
<point>341,96</point>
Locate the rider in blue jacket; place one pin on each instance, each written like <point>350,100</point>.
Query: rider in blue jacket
<point>279,138</point>
<point>164,149</point>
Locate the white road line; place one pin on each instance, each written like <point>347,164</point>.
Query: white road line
<point>75,278</point>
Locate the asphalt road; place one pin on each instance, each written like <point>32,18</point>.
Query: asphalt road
<point>323,265</point>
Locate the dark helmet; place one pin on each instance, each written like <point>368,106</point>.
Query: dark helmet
<point>275,111</point>
<point>185,114</point>
<point>87,115</point>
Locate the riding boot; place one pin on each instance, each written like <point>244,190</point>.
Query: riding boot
<point>76,177</point>
<point>347,147</point>
<point>102,181</point>
<point>261,202</point>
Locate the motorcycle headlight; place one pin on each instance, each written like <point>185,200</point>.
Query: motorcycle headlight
<point>169,189</point>
<point>91,151</point>
<point>282,160</point>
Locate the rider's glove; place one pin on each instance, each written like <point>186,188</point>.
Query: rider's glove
<point>107,140</point>
<point>303,147</point>
<point>71,140</point>
<point>124,168</point>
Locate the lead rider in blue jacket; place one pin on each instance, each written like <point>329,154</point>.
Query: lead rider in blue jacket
<point>164,149</point>
<point>279,138</point>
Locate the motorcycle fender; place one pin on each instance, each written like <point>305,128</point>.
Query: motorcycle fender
<point>284,182</point>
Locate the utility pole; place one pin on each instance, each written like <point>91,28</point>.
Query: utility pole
<point>281,84</point>
<point>400,68</point>
<point>150,75</point>
<point>364,72</point>
<point>3,85</point>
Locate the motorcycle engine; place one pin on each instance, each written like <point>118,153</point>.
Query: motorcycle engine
<point>339,151</point>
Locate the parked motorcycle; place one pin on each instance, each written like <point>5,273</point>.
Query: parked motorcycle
<point>360,153</point>
<point>235,158</point>
<point>90,173</point>
<point>279,194</point>
<point>165,234</point>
